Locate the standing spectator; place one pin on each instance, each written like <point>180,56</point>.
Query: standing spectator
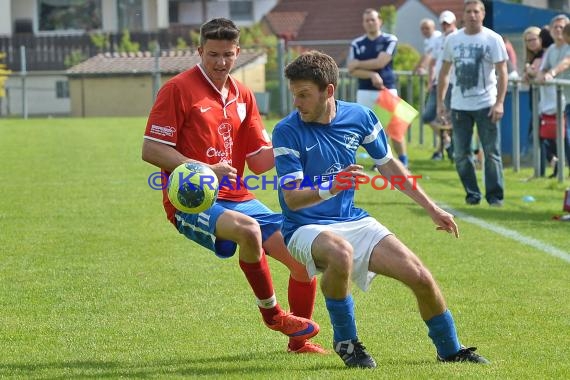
<point>440,125</point>
<point>479,58</point>
<point>555,64</point>
<point>204,115</point>
<point>427,28</point>
<point>534,52</point>
<point>370,59</point>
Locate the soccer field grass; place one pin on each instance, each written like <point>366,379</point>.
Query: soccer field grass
<point>95,283</point>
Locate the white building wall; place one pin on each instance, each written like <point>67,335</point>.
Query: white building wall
<point>161,10</point>
<point>40,95</point>
<point>262,7</point>
<point>408,20</point>
<point>24,9</point>
<point>5,18</point>
<point>109,15</point>
<point>155,15</point>
<point>191,12</point>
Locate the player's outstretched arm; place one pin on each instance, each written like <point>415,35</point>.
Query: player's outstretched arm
<point>397,174</point>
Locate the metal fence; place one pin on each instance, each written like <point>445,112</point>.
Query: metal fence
<point>560,127</point>
<point>413,89</point>
<point>51,52</point>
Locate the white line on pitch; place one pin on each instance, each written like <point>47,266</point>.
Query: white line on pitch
<point>511,234</point>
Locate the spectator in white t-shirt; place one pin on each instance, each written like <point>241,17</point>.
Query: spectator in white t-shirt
<point>479,58</point>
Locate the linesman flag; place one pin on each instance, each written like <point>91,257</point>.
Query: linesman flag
<point>394,113</point>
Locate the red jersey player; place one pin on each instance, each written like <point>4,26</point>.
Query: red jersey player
<point>205,115</point>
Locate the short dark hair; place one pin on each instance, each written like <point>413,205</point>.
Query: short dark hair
<point>546,38</point>
<point>219,29</point>
<point>313,66</point>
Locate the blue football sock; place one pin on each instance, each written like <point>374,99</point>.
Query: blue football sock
<point>404,159</point>
<point>442,333</point>
<point>341,313</point>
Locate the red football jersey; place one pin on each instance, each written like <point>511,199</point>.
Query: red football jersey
<point>190,115</point>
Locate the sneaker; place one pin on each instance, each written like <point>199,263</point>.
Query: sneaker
<point>465,355</point>
<point>473,201</point>
<point>354,354</point>
<point>496,203</point>
<point>437,156</point>
<point>294,327</point>
<point>308,348</point>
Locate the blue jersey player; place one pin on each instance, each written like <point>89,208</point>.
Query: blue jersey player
<point>370,59</point>
<point>315,148</point>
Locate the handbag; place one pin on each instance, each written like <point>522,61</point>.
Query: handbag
<point>547,126</point>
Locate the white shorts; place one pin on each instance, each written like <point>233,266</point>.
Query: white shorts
<point>368,97</point>
<point>362,234</point>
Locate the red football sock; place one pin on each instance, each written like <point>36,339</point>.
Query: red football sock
<point>259,278</point>
<point>302,302</point>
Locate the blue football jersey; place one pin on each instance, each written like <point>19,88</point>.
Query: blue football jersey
<point>363,48</point>
<point>315,153</point>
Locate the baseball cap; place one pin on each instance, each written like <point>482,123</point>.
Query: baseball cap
<point>446,16</point>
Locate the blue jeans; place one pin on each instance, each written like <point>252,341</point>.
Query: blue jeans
<point>430,108</point>
<point>463,123</point>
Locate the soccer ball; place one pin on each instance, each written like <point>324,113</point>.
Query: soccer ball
<point>192,187</point>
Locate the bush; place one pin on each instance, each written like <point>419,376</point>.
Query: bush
<point>405,60</point>
<point>75,57</point>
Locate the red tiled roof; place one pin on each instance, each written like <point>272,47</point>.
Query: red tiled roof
<point>172,62</point>
<point>285,24</point>
<point>327,19</point>
<point>322,20</point>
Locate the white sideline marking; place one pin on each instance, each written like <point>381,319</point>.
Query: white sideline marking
<point>511,234</point>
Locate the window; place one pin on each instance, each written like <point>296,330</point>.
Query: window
<point>241,10</point>
<point>60,15</point>
<point>130,14</point>
<point>62,89</point>
<point>173,12</point>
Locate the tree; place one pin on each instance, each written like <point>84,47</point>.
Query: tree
<point>405,60</point>
<point>75,57</point>
<point>388,15</point>
<point>127,45</point>
<point>100,40</point>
